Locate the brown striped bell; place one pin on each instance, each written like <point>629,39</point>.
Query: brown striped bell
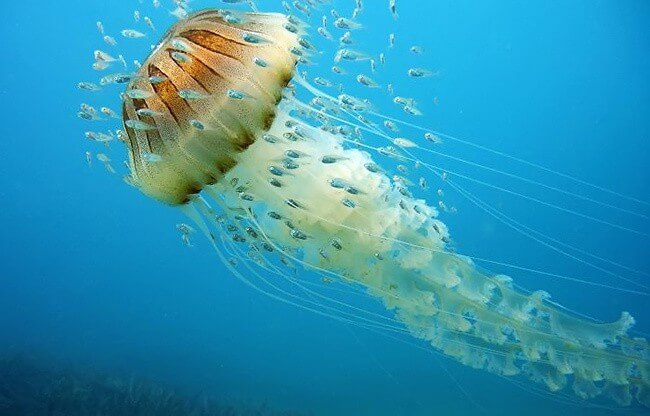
<point>210,90</point>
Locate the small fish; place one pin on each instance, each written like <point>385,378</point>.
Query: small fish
<point>121,135</point>
<point>185,231</point>
<point>181,57</point>
<point>233,20</point>
<point>298,235</point>
<point>157,80</point>
<point>101,56</point>
<point>88,108</point>
<point>348,203</point>
<point>416,49</point>
<point>106,161</point>
<point>99,137</point>
<point>338,70</point>
<point>147,112</point>
<point>423,183</point>
<point>322,82</point>
<point>391,40</point>
<point>100,65</point>
<point>367,81</point>
<point>253,38</point>
<point>184,228</point>
<point>402,142</point>
<point>353,102</point>
<point>324,21</point>
<point>390,89</point>
<point>86,116</point>
<point>391,126</point>
<point>88,86</point>
<point>346,39</point>
<point>180,13</point>
<point>343,23</point>
<point>110,40</point>
<point>432,138</point>
<point>420,73</point>
<point>149,23</point>
<point>305,43</point>
<point>190,95</point>
<point>260,62</point>
<point>393,8</point>
<point>412,110</point>
<point>269,138</point>
<point>329,159</point>
<point>404,101</point>
<point>151,157</point>
<point>291,28</point>
<point>136,16</point>
<point>132,34</point>
<point>324,33</point>
<point>156,4</point>
<point>108,112</point>
<point>197,124</point>
<point>236,95</point>
<point>122,61</point>
<point>296,51</point>
<point>89,159</point>
<point>302,8</point>
<point>181,45</point>
<point>382,58</point>
<point>137,94</point>
<point>373,167</point>
<point>88,112</point>
<point>350,55</point>
<point>100,27</point>
<point>117,78</point>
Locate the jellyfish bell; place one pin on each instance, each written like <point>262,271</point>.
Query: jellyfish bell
<point>290,183</point>
<point>216,91</point>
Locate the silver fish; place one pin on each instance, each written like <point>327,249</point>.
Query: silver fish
<point>367,81</point>
<point>138,94</point>
<point>88,86</point>
<point>348,24</point>
<point>419,73</point>
<point>132,34</point>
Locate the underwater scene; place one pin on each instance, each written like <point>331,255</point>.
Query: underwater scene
<point>325,207</point>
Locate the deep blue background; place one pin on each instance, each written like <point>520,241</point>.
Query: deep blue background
<point>94,272</point>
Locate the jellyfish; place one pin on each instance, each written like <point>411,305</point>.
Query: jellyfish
<point>216,124</point>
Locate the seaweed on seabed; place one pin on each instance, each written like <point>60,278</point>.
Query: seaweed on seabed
<point>31,388</point>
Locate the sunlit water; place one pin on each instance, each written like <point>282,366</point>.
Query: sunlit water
<point>96,273</point>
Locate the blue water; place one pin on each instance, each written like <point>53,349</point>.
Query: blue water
<point>95,273</point>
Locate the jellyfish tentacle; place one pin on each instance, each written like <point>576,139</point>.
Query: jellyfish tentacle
<point>499,188</point>
<point>439,170</point>
<point>524,230</point>
<point>489,327</point>
<point>282,294</point>
<point>368,110</point>
<point>514,158</point>
<point>199,216</point>
<point>397,297</point>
